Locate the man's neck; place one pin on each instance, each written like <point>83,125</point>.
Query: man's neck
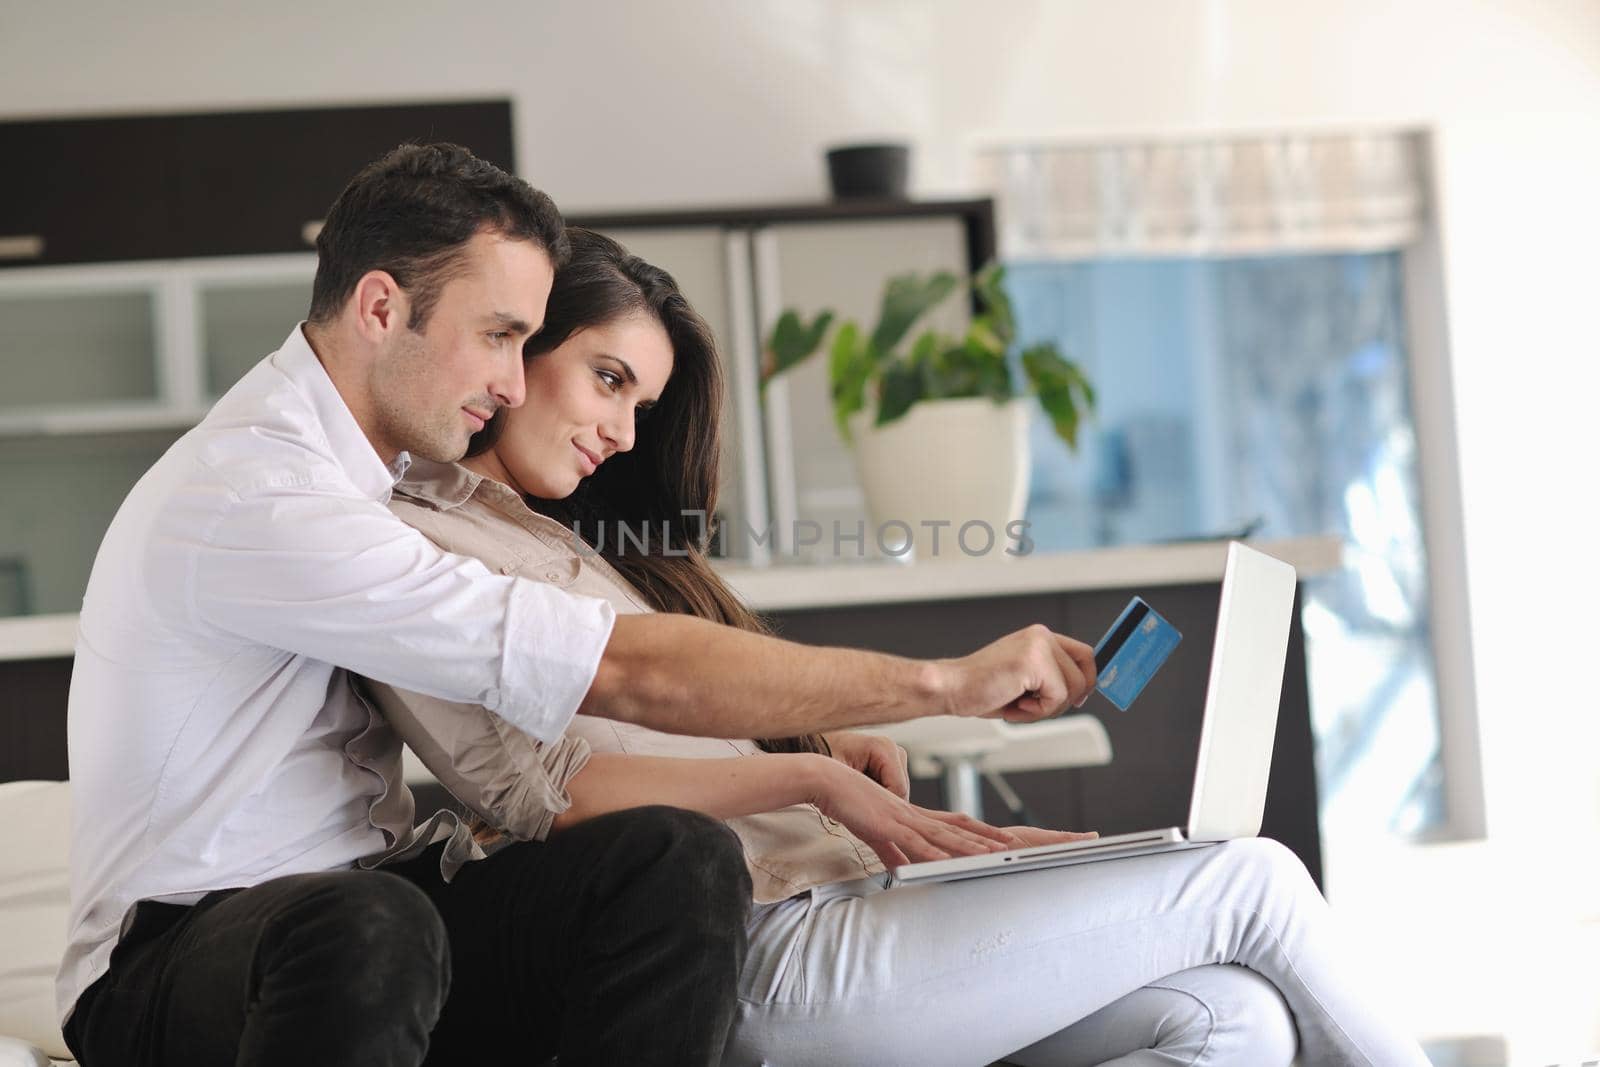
<point>331,353</point>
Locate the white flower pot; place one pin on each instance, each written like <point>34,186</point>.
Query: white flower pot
<point>954,472</point>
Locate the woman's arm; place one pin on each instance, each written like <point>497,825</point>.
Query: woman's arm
<point>897,830</point>
<point>530,789</point>
<point>514,783</point>
<point>722,788</point>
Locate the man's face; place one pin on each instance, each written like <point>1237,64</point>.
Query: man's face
<point>433,389</point>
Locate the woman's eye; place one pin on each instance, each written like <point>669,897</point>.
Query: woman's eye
<point>613,381</point>
<point>499,337</point>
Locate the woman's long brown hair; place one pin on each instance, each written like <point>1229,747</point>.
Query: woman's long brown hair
<point>663,491</point>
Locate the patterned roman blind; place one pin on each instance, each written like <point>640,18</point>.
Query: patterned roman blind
<point>1234,196</point>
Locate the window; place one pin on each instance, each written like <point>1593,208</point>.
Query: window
<point>1242,308</point>
<point>1268,394</point>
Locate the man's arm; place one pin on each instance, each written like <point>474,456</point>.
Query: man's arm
<point>348,583</point>
<point>345,582</point>
<point>685,675</point>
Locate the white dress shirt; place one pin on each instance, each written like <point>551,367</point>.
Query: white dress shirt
<point>214,737</point>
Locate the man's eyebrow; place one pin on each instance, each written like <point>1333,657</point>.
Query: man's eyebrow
<point>510,322</point>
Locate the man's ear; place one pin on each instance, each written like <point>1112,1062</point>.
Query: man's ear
<point>382,308</point>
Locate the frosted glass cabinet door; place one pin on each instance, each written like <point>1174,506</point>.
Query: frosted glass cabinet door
<point>698,258</point>
<point>843,266</point>
<point>61,493</point>
<point>243,322</point>
<point>74,347</point>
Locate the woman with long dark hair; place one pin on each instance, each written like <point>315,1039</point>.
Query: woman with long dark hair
<point>604,482</point>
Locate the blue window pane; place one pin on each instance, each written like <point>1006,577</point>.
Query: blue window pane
<point>1270,392</point>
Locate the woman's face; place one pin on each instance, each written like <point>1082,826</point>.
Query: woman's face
<point>583,400</point>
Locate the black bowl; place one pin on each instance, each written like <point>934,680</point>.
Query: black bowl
<point>869,170</point>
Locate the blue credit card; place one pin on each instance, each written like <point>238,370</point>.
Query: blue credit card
<point>1131,652</point>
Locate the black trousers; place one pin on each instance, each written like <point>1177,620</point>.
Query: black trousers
<point>618,941</point>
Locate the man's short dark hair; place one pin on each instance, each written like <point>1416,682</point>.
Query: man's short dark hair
<point>411,213</point>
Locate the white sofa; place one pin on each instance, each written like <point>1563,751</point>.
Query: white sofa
<point>36,817</point>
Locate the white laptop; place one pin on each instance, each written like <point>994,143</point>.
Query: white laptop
<point>1240,720</point>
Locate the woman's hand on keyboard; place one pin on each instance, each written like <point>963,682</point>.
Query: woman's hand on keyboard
<point>1028,836</point>
<point>898,831</point>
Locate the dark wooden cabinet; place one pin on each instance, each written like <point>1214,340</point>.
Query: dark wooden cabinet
<point>27,153</point>
<point>237,183</point>
<point>91,190</point>
<point>249,183</point>
<point>33,718</point>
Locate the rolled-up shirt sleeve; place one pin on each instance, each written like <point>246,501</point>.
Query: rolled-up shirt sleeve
<point>516,783</point>
<point>346,582</point>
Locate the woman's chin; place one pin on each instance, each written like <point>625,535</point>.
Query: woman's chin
<point>558,488</point>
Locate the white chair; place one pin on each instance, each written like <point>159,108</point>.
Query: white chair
<point>964,752</point>
<point>37,817</point>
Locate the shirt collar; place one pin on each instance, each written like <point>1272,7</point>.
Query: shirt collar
<point>442,485</point>
<point>345,438</point>
<point>445,486</point>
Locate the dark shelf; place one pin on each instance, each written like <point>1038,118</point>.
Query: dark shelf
<point>977,217</point>
<point>165,186</point>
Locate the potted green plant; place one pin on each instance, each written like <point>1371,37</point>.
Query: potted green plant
<point>938,427</point>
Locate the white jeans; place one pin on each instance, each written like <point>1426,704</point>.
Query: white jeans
<point>1119,961</point>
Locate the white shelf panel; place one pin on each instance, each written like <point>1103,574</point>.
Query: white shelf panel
<point>90,277</point>
<point>55,422</point>
<point>38,637</point>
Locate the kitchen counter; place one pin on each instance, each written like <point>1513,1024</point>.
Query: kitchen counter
<point>795,588</point>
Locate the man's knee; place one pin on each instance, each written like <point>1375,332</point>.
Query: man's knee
<point>688,846</point>
<point>690,859</point>
<point>371,934</point>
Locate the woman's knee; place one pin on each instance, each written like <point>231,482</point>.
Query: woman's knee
<point>1270,863</point>
<point>1228,1014</point>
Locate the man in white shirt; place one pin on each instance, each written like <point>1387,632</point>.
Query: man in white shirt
<point>224,798</point>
